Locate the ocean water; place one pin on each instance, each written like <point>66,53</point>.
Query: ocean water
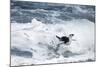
<point>34,26</point>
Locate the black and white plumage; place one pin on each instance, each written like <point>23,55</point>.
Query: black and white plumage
<point>66,39</point>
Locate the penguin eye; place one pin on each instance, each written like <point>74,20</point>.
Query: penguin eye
<point>71,34</point>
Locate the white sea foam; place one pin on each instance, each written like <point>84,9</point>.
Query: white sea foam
<point>36,37</point>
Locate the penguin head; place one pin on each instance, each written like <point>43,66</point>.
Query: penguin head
<point>71,35</point>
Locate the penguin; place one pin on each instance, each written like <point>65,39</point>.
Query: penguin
<point>66,40</point>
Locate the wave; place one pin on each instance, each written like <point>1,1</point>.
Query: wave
<point>39,41</point>
<point>23,12</point>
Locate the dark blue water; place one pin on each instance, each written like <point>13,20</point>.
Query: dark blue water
<point>24,12</point>
<point>21,53</point>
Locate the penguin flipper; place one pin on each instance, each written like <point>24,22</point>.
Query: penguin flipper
<point>58,37</point>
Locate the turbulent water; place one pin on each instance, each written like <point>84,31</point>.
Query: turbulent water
<point>34,27</point>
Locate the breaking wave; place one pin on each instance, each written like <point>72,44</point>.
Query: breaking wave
<point>36,41</point>
<point>34,27</point>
